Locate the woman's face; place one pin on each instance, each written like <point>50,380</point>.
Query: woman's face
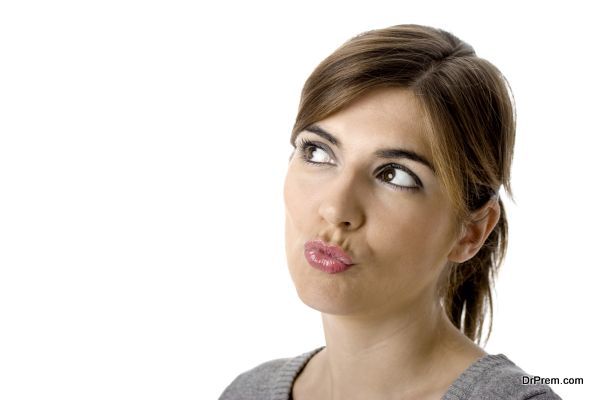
<point>387,211</point>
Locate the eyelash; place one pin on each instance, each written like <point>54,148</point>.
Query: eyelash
<point>305,144</point>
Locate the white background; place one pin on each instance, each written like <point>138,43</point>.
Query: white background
<point>143,148</point>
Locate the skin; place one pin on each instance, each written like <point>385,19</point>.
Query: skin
<point>385,331</point>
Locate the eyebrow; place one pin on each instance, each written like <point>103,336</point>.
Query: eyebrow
<point>381,153</point>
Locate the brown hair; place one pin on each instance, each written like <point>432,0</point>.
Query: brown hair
<point>470,120</point>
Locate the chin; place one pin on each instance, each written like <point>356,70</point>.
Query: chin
<point>327,293</point>
<point>326,306</point>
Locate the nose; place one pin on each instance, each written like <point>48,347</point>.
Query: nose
<point>341,202</point>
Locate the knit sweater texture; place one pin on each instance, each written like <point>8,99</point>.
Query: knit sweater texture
<point>492,377</point>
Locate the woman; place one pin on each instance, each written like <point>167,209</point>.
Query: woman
<point>394,224</point>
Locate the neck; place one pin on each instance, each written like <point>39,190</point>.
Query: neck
<point>380,356</point>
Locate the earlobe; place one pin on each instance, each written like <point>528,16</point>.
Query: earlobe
<point>475,231</point>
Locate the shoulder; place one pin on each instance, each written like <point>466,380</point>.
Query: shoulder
<point>270,379</point>
<point>253,383</point>
<point>495,376</point>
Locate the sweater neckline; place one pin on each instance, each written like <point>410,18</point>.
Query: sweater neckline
<point>459,389</point>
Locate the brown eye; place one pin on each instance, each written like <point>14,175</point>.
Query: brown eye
<point>314,154</point>
<point>389,175</point>
<point>399,177</point>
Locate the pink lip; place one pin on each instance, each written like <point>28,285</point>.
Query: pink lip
<point>328,258</point>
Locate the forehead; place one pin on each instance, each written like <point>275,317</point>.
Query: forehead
<point>381,117</point>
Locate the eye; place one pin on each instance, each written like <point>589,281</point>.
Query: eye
<point>313,153</point>
<point>316,154</point>
<point>399,177</point>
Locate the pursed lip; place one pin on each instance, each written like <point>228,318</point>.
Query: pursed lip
<point>330,250</point>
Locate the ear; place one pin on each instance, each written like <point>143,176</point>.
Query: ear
<point>475,231</point>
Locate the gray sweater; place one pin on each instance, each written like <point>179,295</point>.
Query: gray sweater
<point>492,377</point>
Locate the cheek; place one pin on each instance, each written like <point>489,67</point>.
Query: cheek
<point>300,225</point>
<point>298,214</point>
<point>301,201</point>
<point>413,238</point>
<point>292,200</point>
